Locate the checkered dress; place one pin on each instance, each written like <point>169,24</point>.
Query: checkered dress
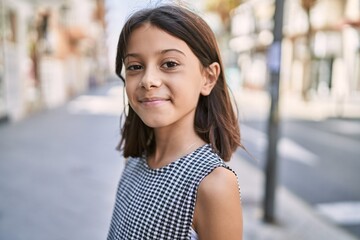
<point>159,203</point>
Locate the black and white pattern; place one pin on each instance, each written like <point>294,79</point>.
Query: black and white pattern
<point>159,203</point>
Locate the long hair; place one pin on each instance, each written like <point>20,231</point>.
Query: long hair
<point>215,121</point>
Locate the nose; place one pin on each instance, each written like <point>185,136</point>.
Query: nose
<point>151,78</point>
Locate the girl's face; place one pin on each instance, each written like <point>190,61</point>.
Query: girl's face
<point>163,78</point>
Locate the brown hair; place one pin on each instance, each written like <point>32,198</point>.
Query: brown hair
<point>215,120</point>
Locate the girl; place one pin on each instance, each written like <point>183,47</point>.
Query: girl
<point>179,131</point>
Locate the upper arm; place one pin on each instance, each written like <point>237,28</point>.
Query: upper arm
<point>218,213</point>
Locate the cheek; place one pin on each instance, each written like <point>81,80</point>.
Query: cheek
<point>187,96</point>
<point>130,92</point>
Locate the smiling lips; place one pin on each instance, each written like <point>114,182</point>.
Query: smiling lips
<point>153,101</point>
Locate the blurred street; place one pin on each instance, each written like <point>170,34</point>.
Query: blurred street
<point>318,156</point>
<point>318,161</point>
<point>59,171</point>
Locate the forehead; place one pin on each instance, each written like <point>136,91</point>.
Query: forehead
<point>148,37</point>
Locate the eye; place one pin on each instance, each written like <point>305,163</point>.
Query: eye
<point>170,64</point>
<point>134,67</point>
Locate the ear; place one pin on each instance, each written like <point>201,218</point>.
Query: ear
<point>212,73</point>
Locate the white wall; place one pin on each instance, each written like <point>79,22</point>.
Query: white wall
<point>15,54</point>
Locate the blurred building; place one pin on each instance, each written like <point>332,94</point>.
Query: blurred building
<point>50,51</point>
<point>320,50</point>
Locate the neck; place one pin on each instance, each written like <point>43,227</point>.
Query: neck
<point>172,146</point>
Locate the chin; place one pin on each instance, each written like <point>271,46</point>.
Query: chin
<point>154,123</point>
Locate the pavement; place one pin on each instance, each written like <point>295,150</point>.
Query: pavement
<point>59,171</point>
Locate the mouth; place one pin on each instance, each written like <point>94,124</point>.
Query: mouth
<point>153,101</point>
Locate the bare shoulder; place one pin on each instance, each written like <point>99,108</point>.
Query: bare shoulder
<point>220,181</point>
<point>218,213</point>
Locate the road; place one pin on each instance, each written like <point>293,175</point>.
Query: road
<point>319,161</point>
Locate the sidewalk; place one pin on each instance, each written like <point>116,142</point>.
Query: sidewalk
<point>59,172</point>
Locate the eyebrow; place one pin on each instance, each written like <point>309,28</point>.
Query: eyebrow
<point>161,52</point>
<point>172,49</point>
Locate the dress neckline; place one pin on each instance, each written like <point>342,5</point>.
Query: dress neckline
<point>173,163</point>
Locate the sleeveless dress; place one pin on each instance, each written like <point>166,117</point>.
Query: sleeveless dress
<point>159,203</point>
